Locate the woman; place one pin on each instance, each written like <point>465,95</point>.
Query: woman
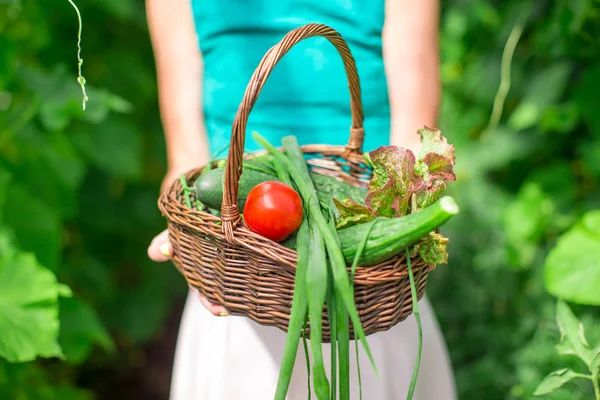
<point>205,53</point>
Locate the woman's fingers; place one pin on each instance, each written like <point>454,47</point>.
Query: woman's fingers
<point>214,309</point>
<point>160,249</point>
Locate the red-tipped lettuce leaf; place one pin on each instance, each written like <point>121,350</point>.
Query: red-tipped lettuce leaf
<point>352,213</point>
<point>440,167</point>
<point>393,181</point>
<point>435,166</point>
<point>432,249</point>
<point>432,141</point>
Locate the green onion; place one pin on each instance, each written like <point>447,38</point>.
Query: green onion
<point>331,314</point>
<point>306,355</point>
<point>359,252</point>
<point>316,290</point>
<point>413,291</point>
<point>297,314</point>
<point>300,174</point>
<point>343,339</point>
<point>186,190</point>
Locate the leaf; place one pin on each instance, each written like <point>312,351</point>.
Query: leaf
<point>4,180</point>
<point>560,118</point>
<point>525,221</point>
<point>572,268</point>
<point>32,381</point>
<point>52,156</point>
<point>554,381</point>
<point>352,213</point>
<point>573,341</point>
<point>586,97</point>
<point>81,330</point>
<point>429,194</point>
<point>595,364</point>
<point>394,180</point>
<point>440,166</point>
<point>35,225</point>
<point>432,141</point>
<point>434,167</point>
<point>28,306</point>
<point>590,154</point>
<point>433,249</point>
<point>544,90</point>
<point>114,147</point>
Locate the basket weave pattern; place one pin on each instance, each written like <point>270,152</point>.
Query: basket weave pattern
<point>253,276</point>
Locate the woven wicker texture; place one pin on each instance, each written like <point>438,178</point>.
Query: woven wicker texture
<point>253,276</point>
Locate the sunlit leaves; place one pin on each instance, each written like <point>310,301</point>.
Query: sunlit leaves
<point>28,306</point>
<point>572,269</point>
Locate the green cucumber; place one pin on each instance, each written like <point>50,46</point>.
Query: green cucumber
<point>209,186</point>
<point>391,236</point>
<point>329,187</point>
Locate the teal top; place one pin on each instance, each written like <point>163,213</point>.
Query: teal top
<point>307,93</point>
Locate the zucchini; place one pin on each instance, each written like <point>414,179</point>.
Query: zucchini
<point>209,187</point>
<point>392,235</point>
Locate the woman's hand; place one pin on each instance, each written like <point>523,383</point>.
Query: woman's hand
<point>160,249</point>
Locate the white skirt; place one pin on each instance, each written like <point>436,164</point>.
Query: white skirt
<point>233,358</point>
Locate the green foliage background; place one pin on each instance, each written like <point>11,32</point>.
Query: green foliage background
<point>78,190</point>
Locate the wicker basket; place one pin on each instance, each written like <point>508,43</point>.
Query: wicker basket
<point>253,276</point>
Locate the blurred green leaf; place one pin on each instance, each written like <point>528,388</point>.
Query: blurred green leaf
<point>138,312</point>
<point>53,167</point>
<point>590,152</point>
<point>124,9</point>
<point>581,10</point>
<point>29,381</point>
<point>586,97</point>
<point>28,306</point>
<point>4,181</point>
<point>557,179</point>
<point>560,118</point>
<point>115,147</point>
<point>573,341</point>
<point>595,364</point>
<point>59,95</point>
<point>525,220</point>
<point>543,91</point>
<point>554,381</point>
<point>80,330</point>
<point>572,268</point>
<point>35,225</point>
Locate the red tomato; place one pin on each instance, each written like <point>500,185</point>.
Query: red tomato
<point>273,210</point>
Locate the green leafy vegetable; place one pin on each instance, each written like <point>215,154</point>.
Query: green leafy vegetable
<point>432,249</point>
<point>435,166</point>
<point>352,213</point>
<point>397,175</point>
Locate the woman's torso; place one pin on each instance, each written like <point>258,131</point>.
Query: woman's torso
<point>307,93</point>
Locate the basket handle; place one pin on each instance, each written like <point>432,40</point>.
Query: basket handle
<point>230,215</point>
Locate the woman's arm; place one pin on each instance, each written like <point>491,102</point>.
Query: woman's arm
<point>179,75</point>
<point>410,52</point>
